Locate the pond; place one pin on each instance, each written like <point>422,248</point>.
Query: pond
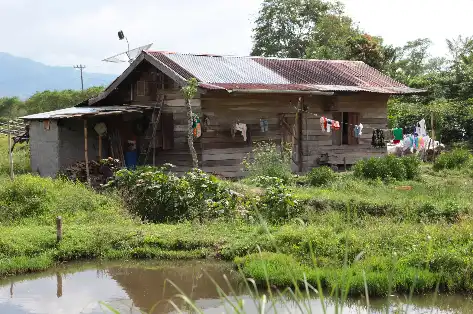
<point>142,287</point>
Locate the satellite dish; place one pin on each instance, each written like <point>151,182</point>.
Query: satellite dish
<point>127,56</point>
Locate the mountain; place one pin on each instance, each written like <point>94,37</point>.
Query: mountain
<point>23,77</point>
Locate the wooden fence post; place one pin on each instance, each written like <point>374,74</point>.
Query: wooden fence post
<point>58,229</point>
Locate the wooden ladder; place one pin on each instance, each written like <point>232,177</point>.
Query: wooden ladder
<point>153,126</point>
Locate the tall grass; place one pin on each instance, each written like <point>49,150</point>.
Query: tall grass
<point>21,157</point>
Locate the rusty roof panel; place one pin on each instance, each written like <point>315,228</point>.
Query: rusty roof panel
<point>229,73</point>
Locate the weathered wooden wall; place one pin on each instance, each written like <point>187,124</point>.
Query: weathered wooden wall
<point>222,154</point>
<point>158,87</point>
<point>373,114</point>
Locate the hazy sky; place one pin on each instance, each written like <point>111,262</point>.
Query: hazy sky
<point>64,32</point>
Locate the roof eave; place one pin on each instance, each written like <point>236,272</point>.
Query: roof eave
<point>278,91</point>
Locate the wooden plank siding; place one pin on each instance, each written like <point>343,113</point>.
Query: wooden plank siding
<point>222,154</point>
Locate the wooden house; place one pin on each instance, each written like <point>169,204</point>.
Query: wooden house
<point>280,100</point>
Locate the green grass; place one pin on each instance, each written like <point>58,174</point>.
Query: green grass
<point>444,193</point>
<point>21,159</point>
<point>398,239</point>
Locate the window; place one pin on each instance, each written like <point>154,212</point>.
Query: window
<point>346,134</point>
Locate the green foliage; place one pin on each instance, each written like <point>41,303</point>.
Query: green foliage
<point>156,195</point>
<point>9,107</point>
<point>190,90</point>
<point>388,168</point>
<point>455,159</point>
<point>412,166</point>
<point>321,176</point>
<point>270,160</point>
<point>284,28</point>
<point>31,198</point>
<point>316,29</point>
<point>278,204</point>
<point>45,101</point>
<point>21,157</point>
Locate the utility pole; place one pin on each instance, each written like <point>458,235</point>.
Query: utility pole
<point>80,67</point>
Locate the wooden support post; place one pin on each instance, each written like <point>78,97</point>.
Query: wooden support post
<point>345,163</point>
<point>10,153</point>
<point>299,134</point>
<point>100,148</point>
<point>86,152</point>
<point>58,285</point>
<point>58,229</point>
<point>432,125</point>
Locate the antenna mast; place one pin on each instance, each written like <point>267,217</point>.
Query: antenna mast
<point>129,55</point>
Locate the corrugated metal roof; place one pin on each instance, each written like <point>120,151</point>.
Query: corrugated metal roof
<point>227,72</point>
<point>78,112</point>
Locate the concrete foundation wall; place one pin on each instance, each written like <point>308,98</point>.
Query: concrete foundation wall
<point>44,148</point>
<point>71,142</point>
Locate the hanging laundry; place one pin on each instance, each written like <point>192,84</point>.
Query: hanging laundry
<point>263,125</point>
<point>196,126</point>
<point>328,124</point>
<point>421,128</point>
<point>336,125</point>
<point>397,133</point>
<point>378,138</point>
<point>323,123</point>
<point>239,127</point>
<point>358,130</point>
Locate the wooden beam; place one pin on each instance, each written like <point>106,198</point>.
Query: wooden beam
<point>86,152</point>
<point>300,107</point>
<point>118,81</point>
<point>100,148</point>
<point>165,69</point>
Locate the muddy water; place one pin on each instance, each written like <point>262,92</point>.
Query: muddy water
<point>137,287</point>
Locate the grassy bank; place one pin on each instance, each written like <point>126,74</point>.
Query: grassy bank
<point>346,233</point>
<point>21,160</point>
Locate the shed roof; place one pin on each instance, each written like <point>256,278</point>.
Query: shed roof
<point>80,112</point>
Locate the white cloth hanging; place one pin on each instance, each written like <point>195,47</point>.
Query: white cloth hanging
<point>240,127</point>
<point>421,128</point>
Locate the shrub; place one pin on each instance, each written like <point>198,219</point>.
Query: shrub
<point>455,159</point>
<point>42,199</point>
<point>388,168</point>
<point>321,176</point>
<point>412,166</point>
<point>278,204</point>
<point>156,195</point>
<point>265,181</point>
<point>269,159</point>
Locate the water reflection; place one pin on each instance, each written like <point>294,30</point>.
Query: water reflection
<point>132,288</point>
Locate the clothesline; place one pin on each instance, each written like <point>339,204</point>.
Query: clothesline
<point>344,123</point>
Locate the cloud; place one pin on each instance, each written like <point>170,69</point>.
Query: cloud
<point>64,32</point>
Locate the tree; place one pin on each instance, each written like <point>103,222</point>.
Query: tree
<point>189,92</point>
<point>370,50</point>
<point>329,39</point>
<point>285,28</point>
<point>9,107</point>
<point>315,29</point>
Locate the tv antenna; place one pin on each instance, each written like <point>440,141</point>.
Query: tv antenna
<point>129,55</point>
